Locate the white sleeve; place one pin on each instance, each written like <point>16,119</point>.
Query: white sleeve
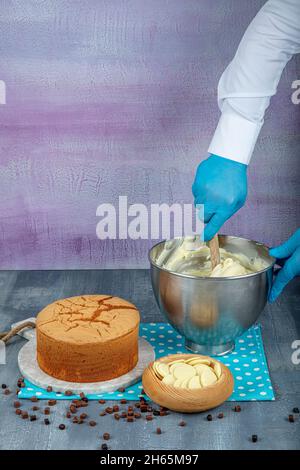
<point>250,80</point>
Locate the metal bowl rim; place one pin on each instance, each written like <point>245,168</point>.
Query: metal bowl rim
<point>219,278</point>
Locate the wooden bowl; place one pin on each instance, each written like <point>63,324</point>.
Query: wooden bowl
<point>183,399</point>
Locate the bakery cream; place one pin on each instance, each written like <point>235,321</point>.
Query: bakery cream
<point>194,259</point>
<point>88,338</point>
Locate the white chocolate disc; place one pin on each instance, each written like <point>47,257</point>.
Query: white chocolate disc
<point>168,379</point>
<point>185,382</point>
<point>208,377</point>
<point>200,368</point>
<point>184,371</point>
<point>195,361</point>
<point>217,369</point>
<point>194,382</point>
<point>155,367</point>
<point>174,366</point>
<point>162,369</point>
<point>177,383</point>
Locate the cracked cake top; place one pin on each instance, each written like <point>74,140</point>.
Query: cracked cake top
<point>88,319</point>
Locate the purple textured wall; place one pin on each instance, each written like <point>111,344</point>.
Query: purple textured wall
<point>112,97</point>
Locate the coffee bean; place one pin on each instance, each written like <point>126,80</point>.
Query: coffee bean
<point>68,414</point>
<point>121,390</point>
<point>123,414</point>
<point>296,410</point>
<point>46,410</point>
<point>115,408</point>
<point>49,388</point>
<point>109,410</point>
<point>62,427</point>
<point>73,409</point>
<point>18,411</point>
<point>68,393</point>
<point>130,419</point>
<point>117,416</point>
<point>144,408</point>
<point>46,421</point>
<point>34,399</point>
<point>83,416</point>
<point>17,404</point>
<point>254,438</point>
<point>182,423</point>
<point>104,446</point>
<point>150,409</point>
<point>103,413</point>
<point>3,386</point>
<point>92,423</point>
<point>162,413</point>
<point>158,431</point>
<point>32,417</point>
<point>291,418</point>
<point>7,391</point>
<point>24,415</point>
<point>82,395</point>
<point>101,402</point>
<point>237,409</point>
<point>220,416</point>
<point>156,412</point>
<point>130,413</point>
<point>75,420</point>
<point>137,415</point>
<point>123,402</point>
<point>209,417</point>
<point>35,408</point>
<point>52,402</point>
<point>106,436</point>
<point>149,417</point>
<point>85,401</point>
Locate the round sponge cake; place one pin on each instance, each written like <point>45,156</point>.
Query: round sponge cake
<point>89,338</point>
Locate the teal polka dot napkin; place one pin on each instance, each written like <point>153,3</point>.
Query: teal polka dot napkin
<point>247,363</point>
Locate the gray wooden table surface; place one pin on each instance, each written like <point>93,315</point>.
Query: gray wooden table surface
<point>24,293</point>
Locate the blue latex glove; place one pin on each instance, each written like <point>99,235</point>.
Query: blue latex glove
<point>221,185</point>
<point>291,267</point>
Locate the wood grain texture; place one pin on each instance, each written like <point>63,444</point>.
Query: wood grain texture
<point>214,251</point>
<point>183,399</point>
<point>23,294</point>
<point>109,98</point>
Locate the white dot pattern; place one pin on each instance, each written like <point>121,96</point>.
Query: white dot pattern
<point>247,363</point>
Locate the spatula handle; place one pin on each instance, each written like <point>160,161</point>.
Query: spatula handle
<point>214,251</point>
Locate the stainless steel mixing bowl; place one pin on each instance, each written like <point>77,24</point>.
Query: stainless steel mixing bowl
<point>211,312</point>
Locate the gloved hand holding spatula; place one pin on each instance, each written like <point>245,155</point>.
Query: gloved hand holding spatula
<point>268,44</point>
<point>221,186</point>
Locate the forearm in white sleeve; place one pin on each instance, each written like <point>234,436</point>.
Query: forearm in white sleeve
<point>250,80</point>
